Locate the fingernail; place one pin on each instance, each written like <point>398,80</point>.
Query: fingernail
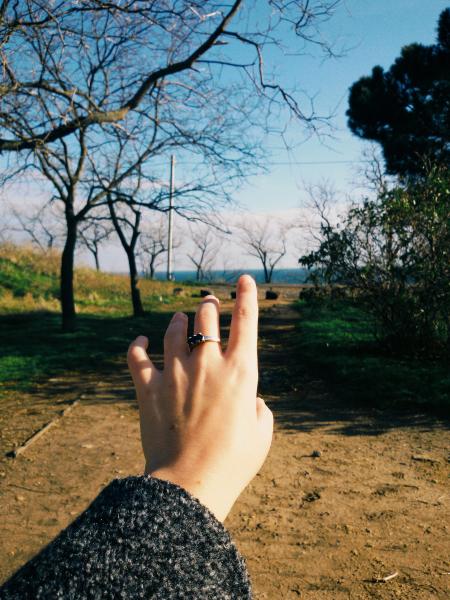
<point>178,315</point>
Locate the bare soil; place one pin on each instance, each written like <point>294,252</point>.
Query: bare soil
<point>347,497</point>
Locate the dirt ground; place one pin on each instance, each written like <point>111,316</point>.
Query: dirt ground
<point>346,498</point>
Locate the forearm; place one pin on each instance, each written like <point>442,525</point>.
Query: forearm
<point>140,538</point>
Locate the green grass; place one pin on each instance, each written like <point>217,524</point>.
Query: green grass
<point>336,341</point>
<point>32,346</point>
<point>21,279</point>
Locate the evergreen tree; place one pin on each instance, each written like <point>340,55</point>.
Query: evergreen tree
<point>407,108</point>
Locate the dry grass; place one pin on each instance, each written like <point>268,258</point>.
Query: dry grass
<point>29,281</point>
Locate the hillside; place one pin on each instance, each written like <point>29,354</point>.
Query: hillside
<point>29,280</point>
<point>33,347</point>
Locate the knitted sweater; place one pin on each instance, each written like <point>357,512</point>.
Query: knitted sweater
<point>141,538</point>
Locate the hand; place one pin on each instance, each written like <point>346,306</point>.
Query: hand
<point>202,426</point>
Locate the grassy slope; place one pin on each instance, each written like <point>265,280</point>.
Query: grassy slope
<point>336,341</point>
<point>31,343</point>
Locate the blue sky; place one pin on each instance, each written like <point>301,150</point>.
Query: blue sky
<point>374,31</point>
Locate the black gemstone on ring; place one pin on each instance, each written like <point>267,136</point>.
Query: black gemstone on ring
<point>195,339</point>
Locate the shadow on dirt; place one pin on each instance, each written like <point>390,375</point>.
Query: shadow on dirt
<point>304,402</point>
<point>54,368</point>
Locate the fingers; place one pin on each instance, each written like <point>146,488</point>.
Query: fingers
<point>244,323</point>
<point>142,370</point>
<point>175,339</point>
<point>207,322</point>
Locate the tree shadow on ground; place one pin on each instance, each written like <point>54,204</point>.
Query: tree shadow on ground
<point>304,399</point>
<point>306,412</point>
<point>37,358</point>
<point>33,347</point>
<point>54,368</point>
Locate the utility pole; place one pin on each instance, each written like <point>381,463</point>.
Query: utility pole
<point>170,235</point>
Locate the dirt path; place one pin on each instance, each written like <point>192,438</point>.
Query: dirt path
<point>372,502</point>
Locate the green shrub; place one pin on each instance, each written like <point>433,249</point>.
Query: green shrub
<point>394,251</point>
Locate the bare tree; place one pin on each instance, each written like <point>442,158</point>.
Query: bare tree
<point>153,244</point>
<point>5,225</point>
<point>86,70</point>
<point>266,240</point>
<point>128,221</point>
<point>320,207</point>
<point>228,272</point>
<point>93,233</point>
<point>127,49</point>
<point>88,172</point>
<point>204,248</point>
<point>69,169</point>
<point>44,225</point>
<point>141,190</point>
<point>371,175</point>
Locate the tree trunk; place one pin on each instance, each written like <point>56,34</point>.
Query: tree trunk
<point>66,281</point>
<point>97,262</point>
<point>138,309</point>
<point>152,268</point>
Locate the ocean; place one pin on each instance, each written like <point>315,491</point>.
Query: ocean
<point>287,276</point>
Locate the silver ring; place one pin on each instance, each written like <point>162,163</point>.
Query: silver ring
<point>198,338</point>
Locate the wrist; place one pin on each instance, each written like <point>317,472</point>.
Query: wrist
<point>206,494</point>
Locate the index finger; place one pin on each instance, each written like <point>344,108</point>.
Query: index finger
<point>244,322</point>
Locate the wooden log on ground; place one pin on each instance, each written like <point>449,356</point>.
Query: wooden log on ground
<point>40,432</point>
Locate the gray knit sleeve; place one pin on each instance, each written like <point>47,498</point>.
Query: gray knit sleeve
<point>141,538</point>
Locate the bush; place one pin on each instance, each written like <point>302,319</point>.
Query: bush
<point>394,251</point>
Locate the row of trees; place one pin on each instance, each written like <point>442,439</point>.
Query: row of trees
<point>93,94</point>
<point>204,246</point>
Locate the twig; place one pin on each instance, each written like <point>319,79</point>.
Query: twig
<point>385,579</point>
<point>40,432</point>
<point>423,458</point>
<point>22,487</point>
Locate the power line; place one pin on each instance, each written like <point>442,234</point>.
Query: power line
<point>282,163</point>
<point>318,162</point>
<point>269,164</point>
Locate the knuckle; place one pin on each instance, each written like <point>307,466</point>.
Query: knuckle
<point>244,312</point>
<point>131,352</point>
